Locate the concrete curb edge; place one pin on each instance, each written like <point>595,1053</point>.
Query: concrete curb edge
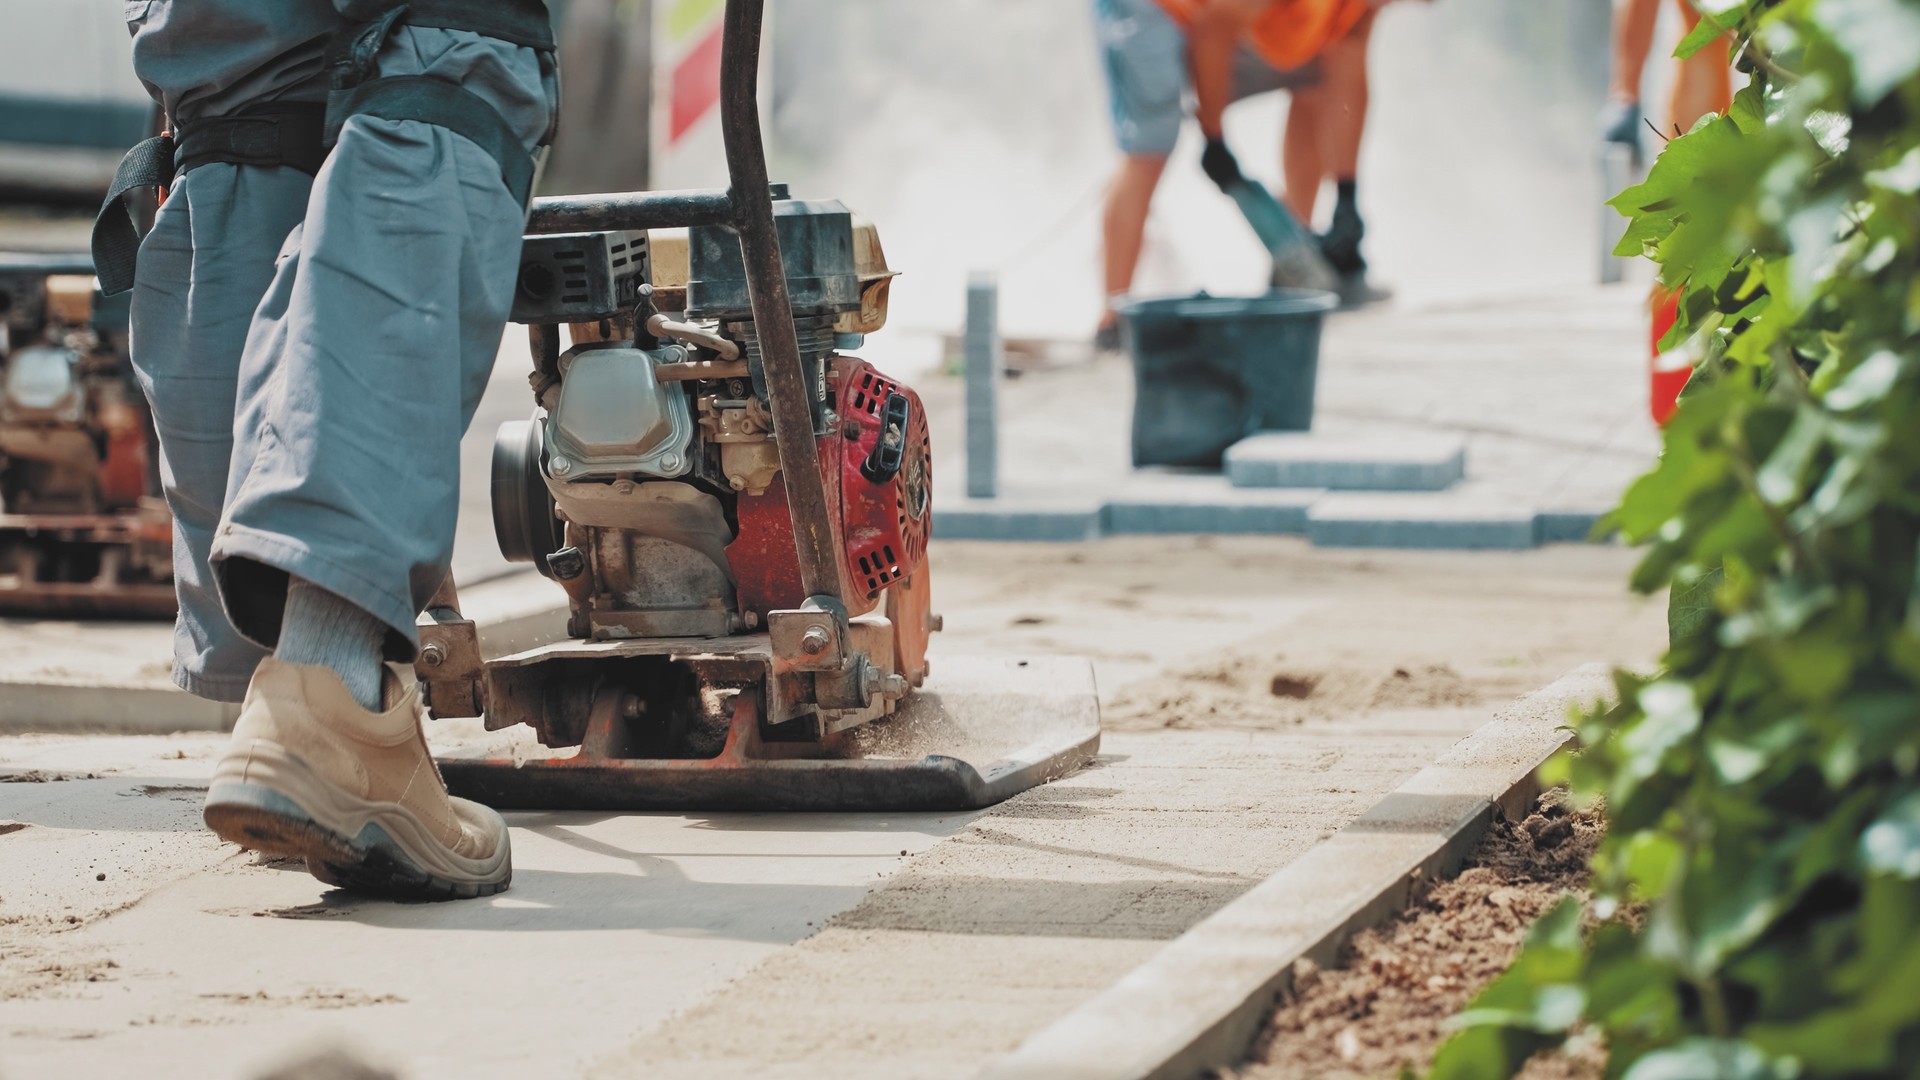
<point>1127,515</point>
<point>1199,1002</point>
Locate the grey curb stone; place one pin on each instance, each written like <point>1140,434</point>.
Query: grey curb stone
<point>1000,519</point>
<point>1160,503</point>
<point>1387,462</point>
<point>1199,1002</point>
<point>1419,521</point>
<point>1567,526</point>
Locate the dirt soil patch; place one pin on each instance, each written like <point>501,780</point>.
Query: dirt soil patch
<point>1264,691</point>
<point>1388,1005</point>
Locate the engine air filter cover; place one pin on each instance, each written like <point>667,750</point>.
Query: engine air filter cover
<point>816,250</point>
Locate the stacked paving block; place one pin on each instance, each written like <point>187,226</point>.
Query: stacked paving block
<point>1381,489</point>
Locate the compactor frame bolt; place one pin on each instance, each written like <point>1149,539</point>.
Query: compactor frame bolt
<point>433,654</point>
<point>814,641</point>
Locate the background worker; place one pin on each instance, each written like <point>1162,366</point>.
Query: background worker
<point>1237,48</point>
<point>314,338</point>
<point>1702,83</point>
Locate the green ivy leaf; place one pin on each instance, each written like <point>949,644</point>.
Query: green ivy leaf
<point>1756,901</point>
<point>1709,1059</point>
<point>1700,36</point>
<point>1868,383</point>
<point>1891,845</point>
<point>1878,37</point>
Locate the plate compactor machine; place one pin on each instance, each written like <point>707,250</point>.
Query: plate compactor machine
<point>83,529</point>
<point>738,514</point>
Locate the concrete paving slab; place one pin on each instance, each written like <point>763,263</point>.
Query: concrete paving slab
<point>1420,520</point>
<point>212,964</point>
<point>1385,459</point>
<point>1197,1004</point>
<point>1041,904</point>
<point>117,676</point>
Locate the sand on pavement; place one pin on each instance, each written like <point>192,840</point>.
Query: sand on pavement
<point>1259,693</point>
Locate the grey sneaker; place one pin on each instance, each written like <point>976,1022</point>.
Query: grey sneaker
<point>310,773</point>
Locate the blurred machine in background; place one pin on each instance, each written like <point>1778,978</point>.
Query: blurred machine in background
<point>83,530</point>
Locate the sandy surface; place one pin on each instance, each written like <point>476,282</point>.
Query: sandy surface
<point>1267,633</point>
<point>1260,695</point>
<point>1256,704</point>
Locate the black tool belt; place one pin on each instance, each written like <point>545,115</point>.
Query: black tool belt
<point>358,91</point>
<point>289,134</point>
<point>299,135</point>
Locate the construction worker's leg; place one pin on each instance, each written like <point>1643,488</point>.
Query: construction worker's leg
<point>1703,82</point>
<point>1302,163</point>
<point>1124,219</point>
<point>1339,113</point>
<point>363,368</point>
<point>1144,57</point>
<point>201,273</point>
<point>1633,27</point>
<point>367,359</point>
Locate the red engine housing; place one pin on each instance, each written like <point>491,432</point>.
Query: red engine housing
<point>881,527</point>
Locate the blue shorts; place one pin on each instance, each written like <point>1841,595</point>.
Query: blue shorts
<point>1144,54</point>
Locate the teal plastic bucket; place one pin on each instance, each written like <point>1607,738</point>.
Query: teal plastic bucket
<point>1210,370</point>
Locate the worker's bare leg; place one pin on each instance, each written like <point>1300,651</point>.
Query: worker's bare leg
<point>1301,162</point>
<point>1633,28</point>
<point>1703,82</point>
<point>1123,224</point>
<point>1143,56</point>
<point>1334,110</point>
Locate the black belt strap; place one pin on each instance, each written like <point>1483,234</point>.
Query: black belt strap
<point>442,104</point>
<point>283,134</point>
<point>115,240</point>
<point>277,134</point>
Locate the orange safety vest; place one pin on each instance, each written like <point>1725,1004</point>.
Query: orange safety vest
<point>1289,33</point>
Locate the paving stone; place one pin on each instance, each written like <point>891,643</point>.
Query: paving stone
<point>1205,503</point>
<point>1420,520</point>
<point>1370,461</point>
<point>1016,519</point>
<point>1569,526</point>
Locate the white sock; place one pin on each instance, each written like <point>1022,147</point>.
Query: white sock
<point>321,628</point>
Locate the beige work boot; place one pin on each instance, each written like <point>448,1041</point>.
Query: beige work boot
<point>355,793</point>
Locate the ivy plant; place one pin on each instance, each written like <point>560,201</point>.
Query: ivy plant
<point>1755,907</point>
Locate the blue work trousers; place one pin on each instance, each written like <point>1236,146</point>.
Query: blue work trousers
<point>314,347</point>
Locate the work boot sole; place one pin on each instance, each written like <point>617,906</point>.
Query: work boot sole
<point>380,849</point>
